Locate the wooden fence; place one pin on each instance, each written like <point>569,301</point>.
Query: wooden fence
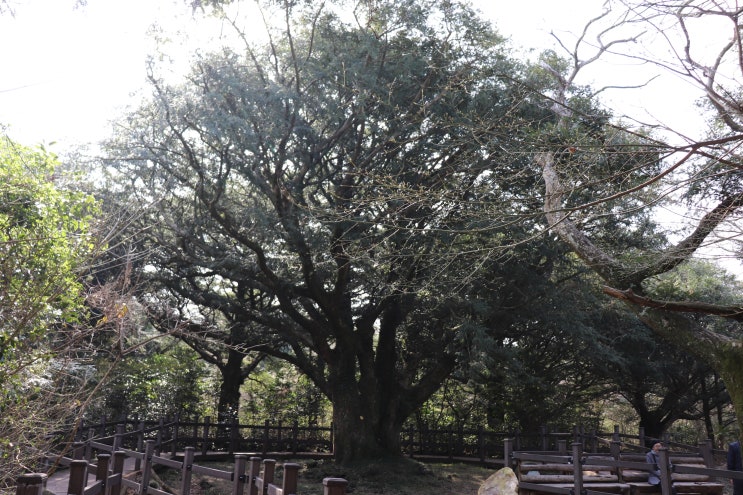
<point>249,474</point>
<point>170,439</point>
<point>476,445</point>
<point>699,470</point>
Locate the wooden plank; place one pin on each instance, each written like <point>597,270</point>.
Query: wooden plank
<point>564,478</point>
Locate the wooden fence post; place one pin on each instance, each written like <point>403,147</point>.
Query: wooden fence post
<point>481,442</point>
<point>78,477</point>
<point>101,469</point>
<point>253,473</point>
<point>149,451</point>
<point>334,486</point>
<point>289,483</point>
<point>234,435</point>
<point>119,437</point>
<point>332,438</point>
<point>615,436</point>
<point>78,450</point>
<point>269,468</point>
<point>665,471</point>
<point>641,436</point>
<point>205,441</point>
<point>188,455</point>
<point>176,426</point>
<point>118,469</point>
<point>239,477</point>
<point>508,452</point>
<point>545,438</point>
<point>295,437</point>
<point>140,445</point>
<point>705,450</point>
<point>265,437</point>
<point>159,436</point>
<point>31,484</point>
<point>577,468</point>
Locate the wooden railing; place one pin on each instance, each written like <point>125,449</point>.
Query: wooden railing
<point>211,439</point>
<point>206,435</point>
<point>249,475</point>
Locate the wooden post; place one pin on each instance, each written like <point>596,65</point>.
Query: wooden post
<point>577,468</point>
<point>31,484</point>
<point>295,437</point>
<point>240,479</point>
<point>332,438</point>
<point>334,486</point>
<point>176,425</point>
<point>265,437</point>
<point>140,446</point>
<point>118,469</point>
<point>253,473</point>
<point>149,452</point>
<point>78,477</point>
<point>562,446</point>
<point>269,468</point>
<point>205,438</point>
<point>78,450</point>
<point>508,452</point>
<point>517,439</point>
<point>594,441</point>
<point>289,483</point>
<point>641,437</point>
<point>705,450</point>
<point>159,436</point>
<point>481,442</point>
<point>545,439</point>
<point>665,471</point>
<point>615,436</point>
<point>101,468</point>
<point>234,435</point>
<point>119,437</point>
<point>187,471</point>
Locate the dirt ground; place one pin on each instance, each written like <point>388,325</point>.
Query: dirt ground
<point>399,477</point>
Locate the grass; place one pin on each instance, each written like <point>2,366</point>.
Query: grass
<point>398,476</point>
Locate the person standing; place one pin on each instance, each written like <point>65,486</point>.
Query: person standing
<point>735,464</point>
<point>653,457</point>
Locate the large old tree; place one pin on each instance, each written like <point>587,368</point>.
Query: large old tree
<point>311,195</point>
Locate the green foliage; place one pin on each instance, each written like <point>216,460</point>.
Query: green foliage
<point>278,392</point>
<point>46,243</point>
<point>162,381</point>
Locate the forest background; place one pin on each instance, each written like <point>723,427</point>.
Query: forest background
<point>381,214</point>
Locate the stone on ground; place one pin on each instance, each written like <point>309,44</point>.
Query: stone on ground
<point>503,482</point>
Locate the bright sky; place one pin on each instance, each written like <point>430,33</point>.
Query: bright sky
<point>67,70</point>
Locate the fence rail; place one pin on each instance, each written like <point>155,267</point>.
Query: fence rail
<point>206,435</point>
<point>170,439</point>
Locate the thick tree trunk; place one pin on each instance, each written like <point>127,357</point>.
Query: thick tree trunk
<point>362,430</point>
<point>229,391</point>
<point>354,430</point>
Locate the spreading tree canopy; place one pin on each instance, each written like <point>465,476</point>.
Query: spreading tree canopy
<point>313,194</point>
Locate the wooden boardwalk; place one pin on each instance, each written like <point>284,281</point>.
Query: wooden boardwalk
<point>58,482</point>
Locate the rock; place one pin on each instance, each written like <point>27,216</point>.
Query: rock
<point>503,482</point>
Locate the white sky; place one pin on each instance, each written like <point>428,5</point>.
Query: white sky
<point>66,71</point>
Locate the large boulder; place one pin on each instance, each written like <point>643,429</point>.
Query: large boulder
<point>502,482</point>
